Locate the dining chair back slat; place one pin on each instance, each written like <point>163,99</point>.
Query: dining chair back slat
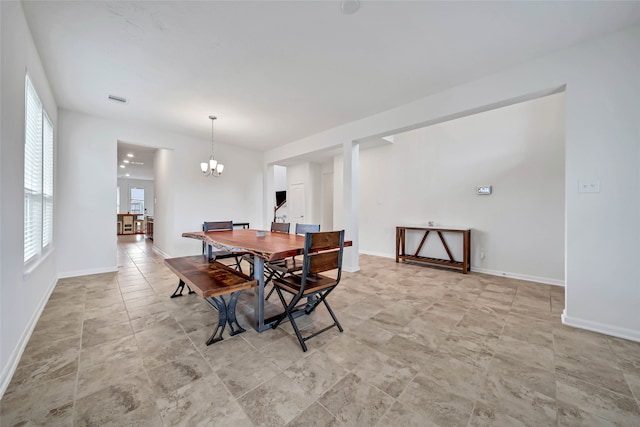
<point>307,228</point>
<point>323,261</point>
<point>326,240</point>
<point>217,225</point>
<point>281,227</point>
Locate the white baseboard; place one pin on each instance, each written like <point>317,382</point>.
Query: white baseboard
<point>164,254</point>
<point>528,278</point>
<point>16,354</point>
<point>377,254</point>
<point>616,331</point>
<point>87,272</point>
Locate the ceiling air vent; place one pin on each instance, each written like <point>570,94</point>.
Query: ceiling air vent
<point>118,99</point>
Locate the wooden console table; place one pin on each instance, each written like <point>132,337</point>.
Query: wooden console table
<point>401,252</point>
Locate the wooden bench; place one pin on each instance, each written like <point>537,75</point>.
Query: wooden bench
<point>211,281</point>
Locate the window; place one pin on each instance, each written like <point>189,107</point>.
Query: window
<point>38,176</point>
<point>136,205</point>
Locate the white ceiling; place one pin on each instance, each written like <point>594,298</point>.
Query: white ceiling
<point>274,72</point>
<point>132,167</point>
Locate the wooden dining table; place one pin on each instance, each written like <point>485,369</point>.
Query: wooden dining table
<point>264,246</point>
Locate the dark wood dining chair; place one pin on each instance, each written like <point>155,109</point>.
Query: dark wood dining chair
<point>281,227</point>
<point>282,267</point>
<point>276,227</point>
<point>322,252</point>
<point>216,254</point>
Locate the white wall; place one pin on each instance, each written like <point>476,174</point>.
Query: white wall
<point>2,370</point>
<point>279,178</point>
<point>338,208</point>
<point>22,297</point>
<point>326,197</point>
<point>184,197</point>
<point>87,187</point>
<point>314,199</point>
<point>125,195</point>
<point>164,206</point>
<point>430,174</point>
<point>602,127</point>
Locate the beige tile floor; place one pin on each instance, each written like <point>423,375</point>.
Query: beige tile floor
<point>421,347</point>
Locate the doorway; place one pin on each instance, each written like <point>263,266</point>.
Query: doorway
<point>135,185</point>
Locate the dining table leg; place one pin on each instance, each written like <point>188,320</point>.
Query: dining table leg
<point>258,274</point>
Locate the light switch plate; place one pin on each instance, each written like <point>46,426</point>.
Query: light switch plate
<point>588,186</point>
<point>484,190</point>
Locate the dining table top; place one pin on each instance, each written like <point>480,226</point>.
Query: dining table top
<point>269,245</point>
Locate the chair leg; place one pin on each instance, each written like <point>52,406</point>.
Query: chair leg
<point>287,311</point>
<point>297,331</point>
<point>267,280</point>
<point>238,266</point>
<point>269,294</point>
<point>284,304</point>
<point>251,267</point>
<point>290,308</point>
<point>335,319</point>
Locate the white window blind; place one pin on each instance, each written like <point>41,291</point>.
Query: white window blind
<point>38,176</point>
<point>47,185</point>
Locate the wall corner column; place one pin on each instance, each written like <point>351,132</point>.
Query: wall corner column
<point>351,196</point>
<point>268,198</point>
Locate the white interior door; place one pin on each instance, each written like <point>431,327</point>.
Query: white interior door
<point>295,200</point>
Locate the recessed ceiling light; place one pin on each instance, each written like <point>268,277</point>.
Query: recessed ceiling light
<point>122,166</point>
<point>125,161</point>
<point>130,155</point>
<point>118,99</point>
<point>126,174</point>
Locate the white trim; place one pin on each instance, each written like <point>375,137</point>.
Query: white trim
<point>351,269</point>
<point>32,265</point>
<point>615,331</point>
<point>528,278</point>
<point>164,254</point>
<point>475,269</point>
<point>12,363</point>
<point>87,272</point>
<point>377,254</point>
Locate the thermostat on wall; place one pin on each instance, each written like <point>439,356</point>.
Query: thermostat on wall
<point>484,190</point>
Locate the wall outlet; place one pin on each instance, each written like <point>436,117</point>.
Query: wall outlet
<point>482,251</point>
<point>589,185</point>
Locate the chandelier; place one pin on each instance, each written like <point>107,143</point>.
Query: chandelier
<point>212,167</point>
